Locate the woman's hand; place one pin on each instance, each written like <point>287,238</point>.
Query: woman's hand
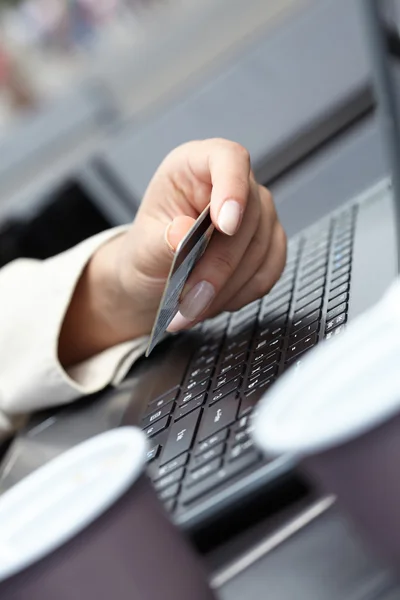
<point>119,294</point>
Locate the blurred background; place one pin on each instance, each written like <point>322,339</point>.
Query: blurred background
<point>49,46</point>
<point>94,93</point>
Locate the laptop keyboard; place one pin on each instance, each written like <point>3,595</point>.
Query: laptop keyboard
<point>206,417</point>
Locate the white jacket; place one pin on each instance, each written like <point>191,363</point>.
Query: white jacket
<point>34,297</point>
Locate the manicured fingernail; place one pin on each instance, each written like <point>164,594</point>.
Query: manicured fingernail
<point>178,322</point>
<point>229,217</point>
<point>197,300</point>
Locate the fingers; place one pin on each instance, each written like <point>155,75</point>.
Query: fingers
<point>248,278</point>
<point>230,170</point>
<point>218,265</point>
<point>254,258</point>
<point>266,276</point>
<point>223,167</point>
<point>177,230</point>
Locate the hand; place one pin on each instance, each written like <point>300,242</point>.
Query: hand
<point>246,255</point>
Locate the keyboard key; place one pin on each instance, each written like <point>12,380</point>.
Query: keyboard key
<point>166,469</point>
<point>209,455</point>
<point>212,441</point>
<point>228,389</point>
<point>242,424</point>
<point>341,253</point>
<point>339,299</point>
<point>180,436</point>
<point>344,237</point>
<point>247,313</point>
<point>312,265</point>
<point>240,449</point>
<point>337,291</point>
<point>227,365</point>
<point>170,492</point>
<point>161,401</point>
<point>315,295</point>
<point>312,250</point>
<point>263,366</point>
<point>218,416</point>
<point>159,414</point>
<point>343,247</point>
<point>204,361</point>
<point>294,363</point>
<point>255,382</point>
<point>339,320</point>
<point>340,272</point>
<point>307,309</point>
<point>305,321</point>
<point>334,332</point>
<point>236,344</point>
<point>189,406</point>
<point>267,356</point>
<point>169,479</point>
<point>221,476</point>
<point>157,427</point>
<point>195,381</point>
<point>337,265</point>
<point>240,437</point>
<point>243,328</point>
<point>277,312</point>
<point>204,373</point>
<point>267,334</point>
<point>336,311</point>
<point>153,452</point>
<point>269,346</point>
<point>196,391</point>
<point>305,291</point>
<point>228,376</point>
<point>203,472</point>
<point>278,291</point>
<point>251,398</point>
<point>317,274</point>
<point>272,304</point>
<point>302,346</point>
<point>304,332</point>
<point>337,281</point>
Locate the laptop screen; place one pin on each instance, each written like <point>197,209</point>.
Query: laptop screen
<point>382,21</point>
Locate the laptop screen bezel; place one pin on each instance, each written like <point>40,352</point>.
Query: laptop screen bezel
<point>375,13</point>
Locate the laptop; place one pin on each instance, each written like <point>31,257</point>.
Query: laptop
<point>195,395</point>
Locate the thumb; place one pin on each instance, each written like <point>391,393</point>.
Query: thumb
<point>177,230</point>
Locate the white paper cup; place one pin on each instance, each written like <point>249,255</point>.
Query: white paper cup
<point>339,417</point>
<point>88,526</point>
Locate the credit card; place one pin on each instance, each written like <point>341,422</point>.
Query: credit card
<point>189,251</point>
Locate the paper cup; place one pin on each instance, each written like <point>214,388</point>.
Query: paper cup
<point>88,525</point>
<point>339,417</point>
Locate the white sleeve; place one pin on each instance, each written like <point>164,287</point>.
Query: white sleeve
<point>34,297</point>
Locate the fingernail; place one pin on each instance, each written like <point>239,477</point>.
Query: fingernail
<point>178,322</point>
<point>166,237</point>
<point>229,217</point>
<point>197,300</point>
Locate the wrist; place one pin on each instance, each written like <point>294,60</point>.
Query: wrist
<point>99,315</point>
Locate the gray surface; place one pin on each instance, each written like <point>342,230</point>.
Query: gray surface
<point>341,170</point>
<point>375,252</point>
<point>285,94</point>
<point>325,561</point>
<point>42,148</point>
